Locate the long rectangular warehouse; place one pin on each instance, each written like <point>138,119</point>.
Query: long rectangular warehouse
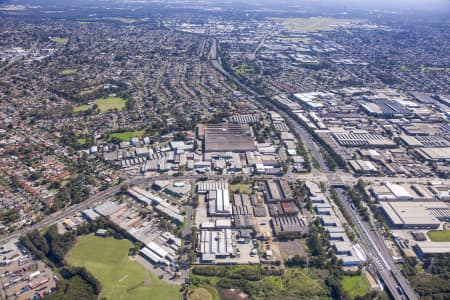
<point>412,215</point>
<point>228,137</point>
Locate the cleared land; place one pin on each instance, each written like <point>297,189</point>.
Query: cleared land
<point>355,285</point>
<point>127,135</point>
<point>121,278</point>
<point>68,71</point>
<point>104,104</point>
<point>60,40</point>
<point>439,235</point>
<point>312,24</point>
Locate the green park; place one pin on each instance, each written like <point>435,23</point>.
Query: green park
<point>121,277</point>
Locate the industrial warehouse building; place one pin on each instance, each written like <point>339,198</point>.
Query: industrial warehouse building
<point>163,206</point>
<point>278,190</point>
<point>415,215</point>
<point>432,248</point>
<point>215,244</point>
<point>219,203</point>
<point>228,137</point>
<point>434,154</point>
<point>204,187</point>
<point>388,191</point>
<point>363,139</point>
<point>386,109</point>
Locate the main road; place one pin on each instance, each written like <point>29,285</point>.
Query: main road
<point>378,253</point>
<point>110,192</point>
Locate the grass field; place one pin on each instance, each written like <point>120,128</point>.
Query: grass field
<point>121,278</point>
<point>200,294</point>
<point>245,69</point>
<point>355,285</point>
<point>127,135</point>
<point>242,187</point>
<point>68,71</point>
<point>311,24</point>
<point>439,235</point>
<point>104,104</point>
<point>60,40</point>
<point>82,107</point>
<point>424,68</point>
<point>430,69</point>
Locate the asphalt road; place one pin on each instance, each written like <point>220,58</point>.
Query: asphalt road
<point>51,219</point>
<point>103,196</point>
<point>377,252</point>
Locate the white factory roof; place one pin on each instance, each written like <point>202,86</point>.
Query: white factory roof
<point>398,191</point>
<point>157,249</point>
<point>217,242</point>
<point>150,254</point>
<point>223,201</point>
<point>226,223</point>
<point>108,208</point>
<point>210,185</point>
<point>434,247</point>
<point>411,213</point>
<point>90,214</point>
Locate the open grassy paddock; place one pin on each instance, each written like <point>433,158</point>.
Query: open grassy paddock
<point>104,104</point>
<point>356,285</point>
<point>200,294</point>
<point>312,24</point>
<point>241,187</point>
<point>127,135</point>
<point>60,40</point>
<point>294,283</point>
<point>439,235</point>
<point>81,141</point>
<point>68,71</point>
<point>121,277</point>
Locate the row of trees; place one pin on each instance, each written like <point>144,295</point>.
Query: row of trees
<point>51,246</point>
<point>429,286</point>
<point>75,191</point>
<point>357,200</point>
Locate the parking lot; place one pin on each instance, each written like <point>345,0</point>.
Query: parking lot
<point>21,277</point>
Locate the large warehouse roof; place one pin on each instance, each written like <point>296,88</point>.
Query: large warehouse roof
<point>228,137</point>
<point>435,153</point>
<point>434,247</point>
<point>412,214</point>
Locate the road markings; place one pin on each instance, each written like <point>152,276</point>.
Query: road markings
<point>123,278</point>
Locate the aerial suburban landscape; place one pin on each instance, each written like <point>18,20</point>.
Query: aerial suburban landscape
<point>215,150</point>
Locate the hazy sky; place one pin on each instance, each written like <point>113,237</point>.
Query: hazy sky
<point>442,6</point>
<point>407,4</point>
